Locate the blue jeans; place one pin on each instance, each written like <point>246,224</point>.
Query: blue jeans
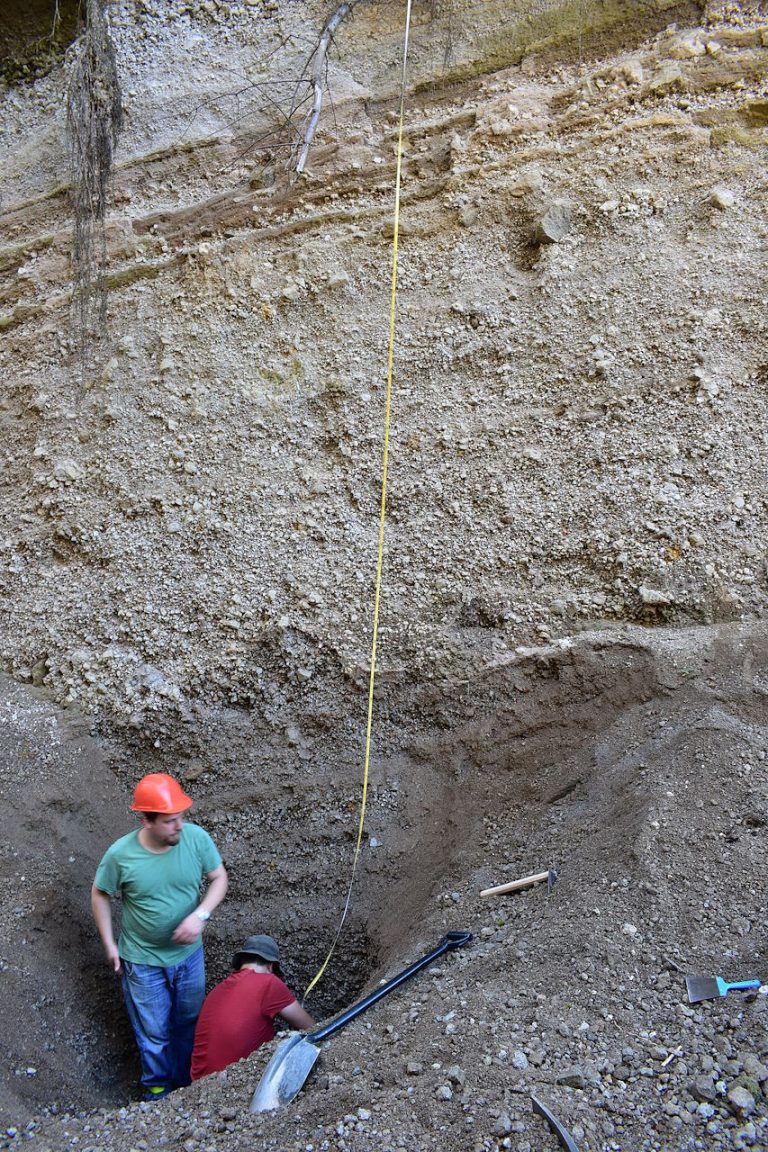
<point>163,1006</point>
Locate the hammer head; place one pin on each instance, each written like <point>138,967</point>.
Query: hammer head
<point>551,878</point>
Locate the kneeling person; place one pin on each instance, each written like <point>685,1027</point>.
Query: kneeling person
<point>238,1015</point>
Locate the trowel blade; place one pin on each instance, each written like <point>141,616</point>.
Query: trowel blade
<point>711,987</point>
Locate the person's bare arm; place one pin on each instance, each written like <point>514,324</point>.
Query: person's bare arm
<point>192,926</point>
<point>101,905</point>
<point>295,1015</point>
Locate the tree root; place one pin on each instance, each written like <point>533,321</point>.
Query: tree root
<point>318,60</point>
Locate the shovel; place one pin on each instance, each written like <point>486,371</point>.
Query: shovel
<point>709,987</point>
<point>294,1058</point>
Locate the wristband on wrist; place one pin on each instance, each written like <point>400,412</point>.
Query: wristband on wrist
<point>202,914</point>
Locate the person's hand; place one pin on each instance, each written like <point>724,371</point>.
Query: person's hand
<point>189,930</point>
<point>113,958</point>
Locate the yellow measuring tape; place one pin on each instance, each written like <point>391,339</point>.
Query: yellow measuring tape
<point>383,507</point>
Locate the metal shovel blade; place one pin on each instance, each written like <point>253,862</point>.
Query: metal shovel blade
<point>711,987</point>
<point>284,1076</point>
<point>294,1058</point>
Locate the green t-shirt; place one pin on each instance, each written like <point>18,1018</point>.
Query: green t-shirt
<point>158,890</point>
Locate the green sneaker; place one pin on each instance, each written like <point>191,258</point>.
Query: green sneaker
<point>156,1092</point>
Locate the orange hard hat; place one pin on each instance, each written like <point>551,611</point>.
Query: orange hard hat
<point>160,793</point>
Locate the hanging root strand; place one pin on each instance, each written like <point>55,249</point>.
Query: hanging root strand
<point>94,119</point>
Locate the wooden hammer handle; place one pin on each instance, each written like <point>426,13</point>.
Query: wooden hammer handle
<point>515,884</point>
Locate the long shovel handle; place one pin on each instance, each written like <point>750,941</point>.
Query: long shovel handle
<point>450,941</point>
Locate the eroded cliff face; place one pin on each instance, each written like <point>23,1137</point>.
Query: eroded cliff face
<point>579,354</point>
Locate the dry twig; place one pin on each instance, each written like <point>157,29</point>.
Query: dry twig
<point>318,63</point>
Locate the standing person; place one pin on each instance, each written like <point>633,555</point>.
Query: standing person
<point>158,871</point>
<point>238,1015</point>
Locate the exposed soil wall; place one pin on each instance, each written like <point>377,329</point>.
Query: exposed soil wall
<point>571,647</point>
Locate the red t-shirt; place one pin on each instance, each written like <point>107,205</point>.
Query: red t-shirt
<point>236,1019</point>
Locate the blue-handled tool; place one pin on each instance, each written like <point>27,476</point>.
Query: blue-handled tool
<point>709,987</point>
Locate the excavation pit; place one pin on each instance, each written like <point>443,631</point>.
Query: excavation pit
<point>616,759</point>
